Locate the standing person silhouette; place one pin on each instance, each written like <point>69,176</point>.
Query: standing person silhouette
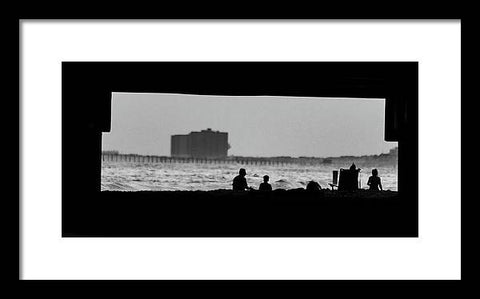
<point>265,186</point>
<point>374,181</point>
<point>239,182</point>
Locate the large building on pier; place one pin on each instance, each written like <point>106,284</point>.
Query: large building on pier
<point>203,144</point>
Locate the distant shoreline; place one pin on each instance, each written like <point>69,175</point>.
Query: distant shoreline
<point>392,155</point>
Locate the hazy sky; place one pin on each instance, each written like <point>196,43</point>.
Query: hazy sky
<point>256,126</point>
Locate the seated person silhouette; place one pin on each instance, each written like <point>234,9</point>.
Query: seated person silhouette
<point>374,181</point>
<point>313,186</point>
<point>354,167</point>
<point>265,186</point>
<point>239,182</point>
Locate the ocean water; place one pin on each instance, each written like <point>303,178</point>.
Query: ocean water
<point>137,176</point>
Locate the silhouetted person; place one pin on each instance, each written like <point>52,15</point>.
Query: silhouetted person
<point>374,181</point>
<point>265,186</point>
<point>240,182</point>
<point>354,168</point>
<point>313,186</point>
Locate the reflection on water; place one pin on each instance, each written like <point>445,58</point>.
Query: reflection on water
<point>135,176</point>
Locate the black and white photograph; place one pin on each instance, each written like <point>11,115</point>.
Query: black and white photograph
<point>165,142</point>
<point>242,149</point>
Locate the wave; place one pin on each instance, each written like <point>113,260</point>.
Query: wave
<point>136,177</point>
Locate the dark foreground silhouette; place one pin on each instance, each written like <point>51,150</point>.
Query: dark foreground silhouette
<point>265,186</point>
<point>374,181</point>
<point>313,186</point>
<point>227,213</point>
<point>240,182</point>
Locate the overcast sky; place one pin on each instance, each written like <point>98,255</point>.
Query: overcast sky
<point>256,126</point>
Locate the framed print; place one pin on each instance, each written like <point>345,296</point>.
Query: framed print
<point>240,149</point>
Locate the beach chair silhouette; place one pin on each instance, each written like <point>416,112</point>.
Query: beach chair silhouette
<point>334,183</point>
<point>348,180</point>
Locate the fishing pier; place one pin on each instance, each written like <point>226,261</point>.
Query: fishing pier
<point>152,159</point>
